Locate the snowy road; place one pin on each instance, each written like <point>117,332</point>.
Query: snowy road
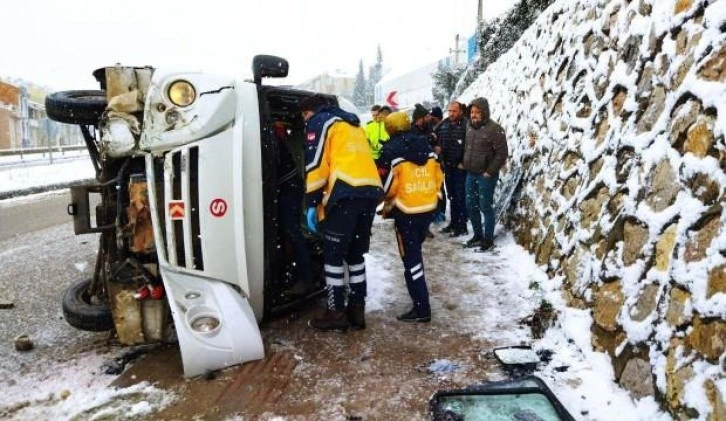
<point>477,300</point>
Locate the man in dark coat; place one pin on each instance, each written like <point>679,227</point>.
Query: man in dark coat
<point>450,135</point>
<point>485,153</point>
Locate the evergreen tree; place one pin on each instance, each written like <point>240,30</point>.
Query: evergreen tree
<point>360,89</point>
<point>375,74</point>
<point>497,36</point>
<point>445,79</point>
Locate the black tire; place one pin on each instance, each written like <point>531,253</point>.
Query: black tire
<point>81,313</point>
<point>76,107</point>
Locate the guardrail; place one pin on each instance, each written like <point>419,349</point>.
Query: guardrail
<point>42,149</point>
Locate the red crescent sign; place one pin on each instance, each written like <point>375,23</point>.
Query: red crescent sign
<point>392,102</point>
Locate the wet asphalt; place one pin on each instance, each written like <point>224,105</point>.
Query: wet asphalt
<point>40,257</point>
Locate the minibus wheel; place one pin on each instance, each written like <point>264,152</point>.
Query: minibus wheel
<point>84,312</point>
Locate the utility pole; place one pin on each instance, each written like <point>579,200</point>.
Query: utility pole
<point>456,50</point>
<point>479,17</point>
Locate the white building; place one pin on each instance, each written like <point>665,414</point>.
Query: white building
<point>335,83</point>
<point>403,90</point>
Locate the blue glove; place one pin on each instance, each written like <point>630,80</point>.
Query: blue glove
<point>312,216</point>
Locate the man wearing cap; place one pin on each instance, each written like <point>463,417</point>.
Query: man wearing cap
<point>342,185</point>
<point>375,129</point>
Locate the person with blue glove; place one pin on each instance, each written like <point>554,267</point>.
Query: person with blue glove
<point>312,217</point>
<point>342,180</point>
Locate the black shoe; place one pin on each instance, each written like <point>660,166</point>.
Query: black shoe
<point>486,245</point>
<point>356,316</point>
<point>474,241</point>
<point>330,321</point>
<point>448,229</point>
<point>413,317</point>
<point>458,232</point>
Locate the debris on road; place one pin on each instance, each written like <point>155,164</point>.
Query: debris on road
<point>23,343</point>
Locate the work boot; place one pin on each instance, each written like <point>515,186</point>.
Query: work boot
<point>413,317</point>
<point>299,288</point>
<point>474,241</point>
<point>447,229</point>
<point>330,321</point>
<point>356,316</point>
<point>458,232</point>
<point>486,245</point>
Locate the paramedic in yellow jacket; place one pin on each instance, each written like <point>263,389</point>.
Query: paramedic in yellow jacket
<point>412,188</point>
<point>343,184</point>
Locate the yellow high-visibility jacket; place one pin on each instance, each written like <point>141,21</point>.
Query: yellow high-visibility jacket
<point>338,161</point>
<point>376,135</point>
<point>414,184</point>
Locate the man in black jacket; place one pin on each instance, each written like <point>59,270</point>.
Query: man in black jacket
<point>450,135</point>
<point>485,153</point>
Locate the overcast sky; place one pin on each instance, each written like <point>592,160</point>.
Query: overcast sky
<point>58,43</point>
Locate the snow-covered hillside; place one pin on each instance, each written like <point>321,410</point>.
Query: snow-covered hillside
<point>615,110</point>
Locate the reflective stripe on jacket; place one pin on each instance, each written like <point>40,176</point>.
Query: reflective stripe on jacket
<point>376,135</point>
<point>338,160</point>
<point>413,188</point>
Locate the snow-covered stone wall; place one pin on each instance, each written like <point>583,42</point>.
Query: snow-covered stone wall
<point>615,110</point>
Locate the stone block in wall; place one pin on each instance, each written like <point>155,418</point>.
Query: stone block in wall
<point>573,301</point>
<point>646,303</point>
<point>700,137</point>
<point>655,107</point>
<point>602,128</point>
<point>609,300</point>
<point>603,340</point>
<point>616,203</point>
<point>682,71</point>
<point>700,242</point>
<point>645,85</point>
<point>676,378</point>
<point>714,69</point>
<point>595,168</point>
<point>585,108</point>
<point>684,116</point>
<point>676,314</point>
<point>716,281</point>
<point>708,338</point>
<point>704,189</point>
<point>664,187</point>
<point>682,5</point>
<point>570,187</point>
<point>635,236</point>
<point>591,208</point>
<point>686,42</point>
<point>630,53</point>
<point>637,378</point>
<point>664,248</point>
<point>621,94</point>
<point>714,396</point>
<point>662,64</point>
<point>548,245</point>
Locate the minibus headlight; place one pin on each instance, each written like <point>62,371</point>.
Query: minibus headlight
<point>181,93</point>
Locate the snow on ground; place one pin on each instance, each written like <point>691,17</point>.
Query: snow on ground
<point>490,306</point>
<point>77,390</point>
<point>32,173</point>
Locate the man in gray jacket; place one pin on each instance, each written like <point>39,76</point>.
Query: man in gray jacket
<point>485,152</point>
